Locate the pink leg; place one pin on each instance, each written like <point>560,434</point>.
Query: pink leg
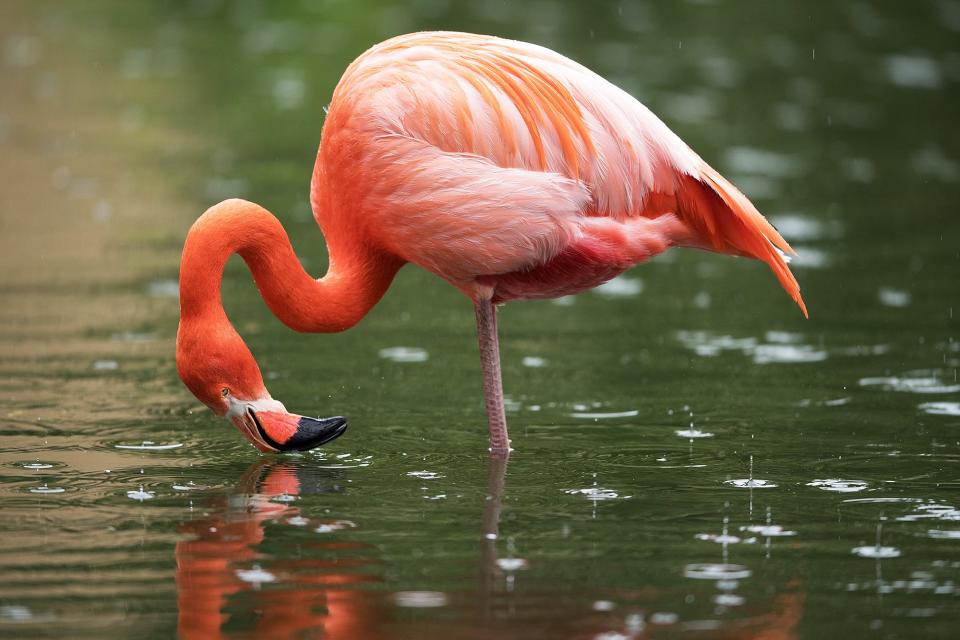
<point>492,382</point>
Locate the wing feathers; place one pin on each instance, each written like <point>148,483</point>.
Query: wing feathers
<point>461,216</point>
<point>497,149</point>
<point>727,222</point>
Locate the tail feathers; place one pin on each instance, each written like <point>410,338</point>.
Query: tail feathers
<point>740,206</point>
<point>727,222</point>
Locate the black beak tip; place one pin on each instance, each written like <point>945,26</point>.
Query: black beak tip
<point>311,433</point>
<point>314,432</point>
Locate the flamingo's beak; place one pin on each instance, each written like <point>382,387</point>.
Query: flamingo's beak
<point>273,431</point>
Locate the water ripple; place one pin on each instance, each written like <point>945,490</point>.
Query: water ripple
<point>941,408</point>
<point>921,381</point>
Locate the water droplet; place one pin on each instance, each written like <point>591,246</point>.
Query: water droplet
<point>941,408</point>
<point>932,511</point>
<point>141,495</point>
<point>633,623</point>
<point>922,381</point>
<point>604,415</point>
<point>147,445</point>
<point>336,525</point>
<point>604,605</point>
<point>768,530</point>
<point>716,571</point>
<point>596,493</point>
<point>944,534</point>
<point>404,354</point>
<point>724,538</point>
<point>787,353</point>
<point>255,575</point>
<point>693,433</point>
<point>728,599</point>
<point>874,551</point>
<point>782,347</point>
<point>425,475</point>
<point>36,465</point>
<point>420,599</point>
<point>45,489</point>
<point>748,483</point>
<point>511,564</point>
<point>882,500</point>
<point>890,297</point>
<point>190,486</point>
<point>840,486</point>
<point>664,617</point>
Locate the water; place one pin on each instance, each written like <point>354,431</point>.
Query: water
<point>130,511</point>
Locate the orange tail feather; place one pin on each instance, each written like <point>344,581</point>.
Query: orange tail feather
<point>727,222</point>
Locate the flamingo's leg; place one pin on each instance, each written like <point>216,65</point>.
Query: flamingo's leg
<point>492,381</point>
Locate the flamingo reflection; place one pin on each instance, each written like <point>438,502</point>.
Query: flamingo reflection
<point>232,583</point>
<point>314,595</point>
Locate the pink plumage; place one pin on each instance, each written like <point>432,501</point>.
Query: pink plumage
<point>500,166</point>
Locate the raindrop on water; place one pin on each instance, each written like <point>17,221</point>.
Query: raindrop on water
<point>751,482</point>
<point>148,445</point>
<point>140,494</point>
<point>404,354</point>
<point>255,575</point>
<point>511,564</point>
<point>716,571</point>
<point>45,489</point>
<point>877,550</point>
<point>37,465</point>
<point>693,433</point>
<point>420,599</point>
<point>425,475</point>
<point>838,485</point>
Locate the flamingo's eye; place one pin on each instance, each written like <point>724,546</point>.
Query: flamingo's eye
<point>225,392</point>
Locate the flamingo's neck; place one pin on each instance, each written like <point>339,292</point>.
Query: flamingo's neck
<point>356,279</point>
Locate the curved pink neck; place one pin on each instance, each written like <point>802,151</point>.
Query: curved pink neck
<point>355,281</point>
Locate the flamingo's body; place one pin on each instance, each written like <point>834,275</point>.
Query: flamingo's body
<point>502,167</point>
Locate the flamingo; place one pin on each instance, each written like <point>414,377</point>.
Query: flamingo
<point>503,167</point>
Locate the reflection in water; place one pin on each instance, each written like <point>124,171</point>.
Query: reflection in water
<point>231,580</point>
<point>490,532</point>
<point>221,564</point>
<point>223,573</point>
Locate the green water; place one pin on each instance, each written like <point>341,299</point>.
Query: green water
<point>119,124</point>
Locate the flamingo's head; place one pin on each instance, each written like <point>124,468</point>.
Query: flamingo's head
<point>220,371</point>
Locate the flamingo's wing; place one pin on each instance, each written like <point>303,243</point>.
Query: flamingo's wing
<point>461,216</point>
